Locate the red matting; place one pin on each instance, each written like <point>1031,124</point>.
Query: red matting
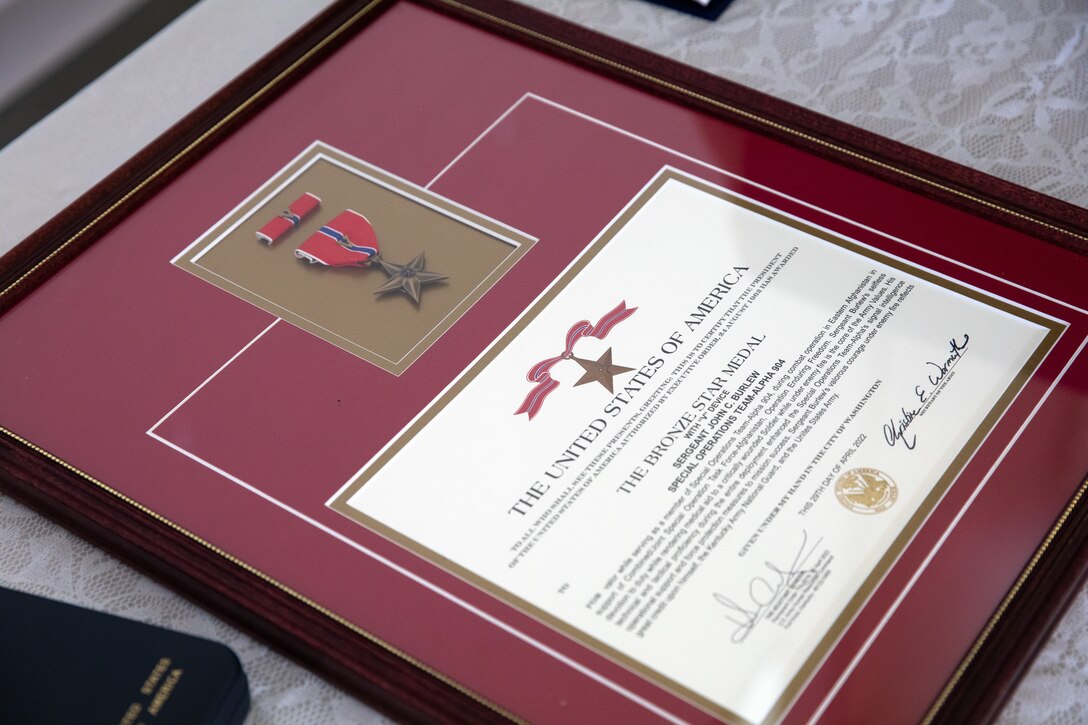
<point>238,427</point>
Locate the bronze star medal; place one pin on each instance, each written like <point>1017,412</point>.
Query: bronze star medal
<point>407,278</point>
<point>600,370</point>
<point>349,240</point>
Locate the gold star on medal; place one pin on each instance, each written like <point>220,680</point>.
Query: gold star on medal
<point>407,278</point>
<point>600,370</point>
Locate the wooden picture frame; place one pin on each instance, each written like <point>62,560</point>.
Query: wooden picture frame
<point>174,414</point>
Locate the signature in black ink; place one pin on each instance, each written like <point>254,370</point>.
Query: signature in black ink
<point>766,589</point>
<point>895,430</point>
<point>938,371</point>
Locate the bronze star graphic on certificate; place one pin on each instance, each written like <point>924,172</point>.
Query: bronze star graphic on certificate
<point>600,370</point>
<point>407,278</point>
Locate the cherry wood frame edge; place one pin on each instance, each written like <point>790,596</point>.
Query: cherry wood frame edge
<point>1016,632</point>
<point>370,670</point>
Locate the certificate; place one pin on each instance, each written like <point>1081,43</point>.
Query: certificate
<point>707,482</point>
<point>527,376</point>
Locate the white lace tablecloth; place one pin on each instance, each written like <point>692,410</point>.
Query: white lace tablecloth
<point>999,86</point>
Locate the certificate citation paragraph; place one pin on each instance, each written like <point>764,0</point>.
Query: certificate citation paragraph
<point>707,489</point>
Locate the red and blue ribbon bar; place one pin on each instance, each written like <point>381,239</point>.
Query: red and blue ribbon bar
<point>290,218</point>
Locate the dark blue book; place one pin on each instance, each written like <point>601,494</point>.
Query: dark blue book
<point>60,663</point>
<point>710,9</point>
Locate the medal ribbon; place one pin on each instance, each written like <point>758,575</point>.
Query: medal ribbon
<point>343,241</point>
<point>540,373</point>
<point>289,218</point>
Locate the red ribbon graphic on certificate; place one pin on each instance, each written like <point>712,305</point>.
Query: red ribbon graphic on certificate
<point>541,372</point>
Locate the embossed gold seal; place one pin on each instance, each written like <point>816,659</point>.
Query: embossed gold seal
<point>866,490</point>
